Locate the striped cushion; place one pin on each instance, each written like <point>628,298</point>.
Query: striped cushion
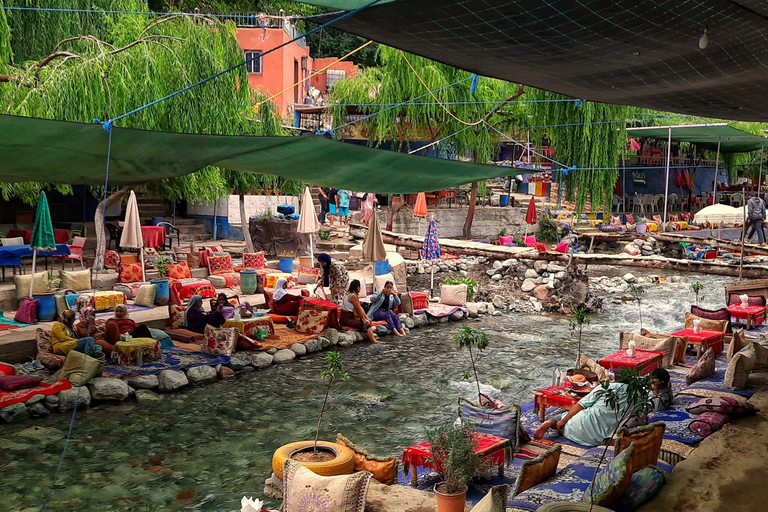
<point>503,423</point>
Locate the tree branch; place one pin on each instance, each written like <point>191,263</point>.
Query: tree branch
<point>520,92</point>
<point>15,79</point>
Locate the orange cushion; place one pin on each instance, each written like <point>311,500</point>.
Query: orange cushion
<point>220,264</point>
<point>130,273</point>
<point>179,271</point>
<point>384,469</point>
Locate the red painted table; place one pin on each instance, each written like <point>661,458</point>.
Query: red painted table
<point>60,235</point>
<point>704,339</point>
<point>752,314</point>
<point>154,236</point>
<point>553,396</point>
<point>492,449</point>
<point>643,362</point>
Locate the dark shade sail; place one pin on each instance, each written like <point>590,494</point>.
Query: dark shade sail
<point>633,52</point>
<point>76,153</point>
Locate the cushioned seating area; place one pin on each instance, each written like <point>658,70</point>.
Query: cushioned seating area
<point>681,344</point>
<point>713,314</point>
<point>498,422</point>
<point>667,345</point>
<point>647,439</point>
<point>752,358</point>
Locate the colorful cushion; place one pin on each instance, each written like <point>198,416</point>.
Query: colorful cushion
<point>179,271</point>
<point>384,469</point>
<point>739,367</point>
<point>111,259</point>
<point>22,284</point>
<point>78,280</point>
<point>506,240</point>
<point>380,281</point>
<point>722,404</point>
<point>707,324</point>
<point>503,423</point>
<point>643,485</point>
<point>453,294</point>
<point>494,501</point>
<point>255,260</point>
<point>175,315</point>
<point>312,321</point>
<point>308,275</point>
<point>611,481</point>
<point>219,341</point>
<point>712,314</point>
<point>420,300</point>
<point>130,273</point>
<point>703,369</point>
<point>79,368</point>
<point>708,423</point>
<point>753,300</point>
<point>7,369</point>
<point>304,490</point>
<point>271,279</point>
<point>17,382</point>
<point>535,471</point>
<point>666,345</point>
<point>146,295</point>
<point>406,303</point>
<point>647,440</point>
<point>220,264</point>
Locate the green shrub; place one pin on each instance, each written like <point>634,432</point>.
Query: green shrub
<point>547,230</point>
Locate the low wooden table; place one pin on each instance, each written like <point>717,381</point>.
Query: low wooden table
<point>705,339</point>
<point>553,396</point>
<point>643,362</point>
<point>248,325</point>
<point>754,315</point>
<point>491,448</point>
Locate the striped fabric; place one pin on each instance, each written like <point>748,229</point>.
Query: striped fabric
<point>498,422</point>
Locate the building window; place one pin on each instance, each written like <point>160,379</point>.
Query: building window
<point>333,76</point>
<point>253,62</point>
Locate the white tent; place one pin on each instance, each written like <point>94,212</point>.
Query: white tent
<point>720,214</point>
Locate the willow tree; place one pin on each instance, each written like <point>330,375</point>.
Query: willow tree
<point>136,59</point>
<point>454,115</point>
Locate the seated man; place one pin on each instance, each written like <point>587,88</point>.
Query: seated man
<point>591,419</point>
<point>662,390</point>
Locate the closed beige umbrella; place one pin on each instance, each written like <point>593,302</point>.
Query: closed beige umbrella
<point>308,222</point>
<point>373,245</point>
<point>131,237</point>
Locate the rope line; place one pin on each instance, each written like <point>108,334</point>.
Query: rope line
<point>255,108</point>
<point>438,141</point>
<point>435,97</point>
<point>524,145</point>
<point>231,68</point>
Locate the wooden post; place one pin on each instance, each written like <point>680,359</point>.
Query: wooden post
<point>743,231</point>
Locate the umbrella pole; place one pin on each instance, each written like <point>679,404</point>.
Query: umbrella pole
<point>32,279</point>
<point>717,171</point>
<point>666,182</point>
<point>432,280</point>
<point>143,271</point>
<point>760,176</point>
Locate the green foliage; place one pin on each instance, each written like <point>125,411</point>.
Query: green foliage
<point>697,287</point>
<point>334,370</point>
<point>325,235</point>
<point>547,229</point>
<point>482,189</point>
<point>161,265</point>
<point>637,291</point>
<point>453,448</point>
<point>577,321</point>
<point>471,339</point>
<point>464,280</point>
<point>519,241</point>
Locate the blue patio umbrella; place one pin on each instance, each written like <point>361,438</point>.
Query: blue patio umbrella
<point>431,250</point>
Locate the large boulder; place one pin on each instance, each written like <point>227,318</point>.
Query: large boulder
<point>629,277</point>
<point>409,323</point>
<point>171,380</point>
<point>238,362</point>
<point>14,413</point>
<point>499,301</point>
<point>143,382</point>
<point>420,320</point>
<point>324,342</point>
<point>457,315</point>
<point>312,345</point>
<point>145,395</point>
<point>262,360</point>
<point>299,349</point>
<point>472,309</point>
<point>283,356</point>
<point>109,389</point>
<point>201,375</point>
<point>346,339</point>
<point>38,410</point>
<point>69,397</point>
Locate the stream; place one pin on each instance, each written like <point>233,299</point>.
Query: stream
<point>214,444</point>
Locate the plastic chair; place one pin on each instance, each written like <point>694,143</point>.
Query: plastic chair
<point>114,235</point>
<point>75,252</point>
<point>638,205</point>
<point>737,200</point>
<point>672,203</point>
<point>171,232</point>
<point>16,240</point>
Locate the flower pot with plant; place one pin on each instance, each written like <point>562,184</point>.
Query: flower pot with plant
<point>470,339</point>
<point>323,458</point>
<point>453,454</point>
<point>578,321</point>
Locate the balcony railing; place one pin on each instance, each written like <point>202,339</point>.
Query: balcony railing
<point>253,20</point>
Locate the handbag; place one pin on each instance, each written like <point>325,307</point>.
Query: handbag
<point>27,313</point>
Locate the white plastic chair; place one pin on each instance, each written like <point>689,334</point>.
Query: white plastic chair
<point>17,240</point>
<point>737,200</point>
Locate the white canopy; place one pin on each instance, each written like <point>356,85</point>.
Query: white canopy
<point>720,214</point>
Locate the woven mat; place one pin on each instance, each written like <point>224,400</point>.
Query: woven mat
<point>285,337</point>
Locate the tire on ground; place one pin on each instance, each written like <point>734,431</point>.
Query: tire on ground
<point>343,464</point>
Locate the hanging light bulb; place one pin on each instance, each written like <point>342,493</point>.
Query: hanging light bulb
<point>704,40</point>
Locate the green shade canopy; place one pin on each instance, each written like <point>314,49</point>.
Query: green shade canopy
<point>42,231</point>
<point>732,140</point>
<point>76,153</point>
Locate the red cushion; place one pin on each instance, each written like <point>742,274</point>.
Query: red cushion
<point>6,369</point>
<point>753,300</point>
<point>220,264</point>
<point>254,260</point>
<point>17,382</point>
<point>130,273</point>
<point>179,271</point>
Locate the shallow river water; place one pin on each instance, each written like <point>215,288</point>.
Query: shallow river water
<point>214,444</point>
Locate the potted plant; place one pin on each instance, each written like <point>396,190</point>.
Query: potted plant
<point>697,287</point>
<point>518,241</point>
<point>453,454</point>
<point>471,339</point>
<point>580,319</point>
<point>322,457</point>
<point>637,291</point>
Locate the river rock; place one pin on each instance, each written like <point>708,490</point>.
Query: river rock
<point>490,309</point>
<point>380,330</point>
<point>457,315</point>
<point>497,277</point>
<point>541,292</point>
<point>299,349</point>
<point>35,399</point>
<point>272,351</point>
<point>536,304</point>
<point>346,339</point>
<point>528,285</point>
<point>677,279</point>
<point>443,320</point>
<point>332,335</point>
<point>472,310</point>
<point>497,265</point>
<point>14,413</point>
<point>264,360</point>
<point>201,375</point>
<point>560,275</point>
<point>531,274</point>
<point>170,380</point>
<point>628,277</point>
<point>509,263</point>
<point>68,398</point>
<point>38,410</point>
<point>145,395</point>
<point>482,308</point>
<point>283,356</point>
<point>108,389</point>
<point>238,362</point>
<point>51,402</point>
<point>496,313</point>
<point>312,345</point>
<point>491,272</point>
<point>540,265</point>
<point>409,323</point>
<point>143,382</point>
<point>553,267</point>
<point>499,301</point>
<point>224,373</point>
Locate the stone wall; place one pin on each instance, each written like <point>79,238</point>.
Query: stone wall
<point>488,222</point>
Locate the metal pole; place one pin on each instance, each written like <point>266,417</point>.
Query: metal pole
<point>717,171</point>
<point>623,183</point>
<point>215,203</point>
<point>760,175</point>
<point>743,231</point>
<point>666,180</point>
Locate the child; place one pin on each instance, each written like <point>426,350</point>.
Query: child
<point>662,391</point>
<point>344,196</point>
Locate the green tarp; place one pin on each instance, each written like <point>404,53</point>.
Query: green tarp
<point>732,140</point>
<point>62,152</point>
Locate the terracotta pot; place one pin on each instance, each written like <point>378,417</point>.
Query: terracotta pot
<point>450,502</point>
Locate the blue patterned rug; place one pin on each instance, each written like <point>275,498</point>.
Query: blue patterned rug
<point>677,421</point>
<point>170,359</point>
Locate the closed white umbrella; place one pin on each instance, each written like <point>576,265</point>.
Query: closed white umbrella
<point>308,222</point>
<point>131,237</point>
<point>717,214</point>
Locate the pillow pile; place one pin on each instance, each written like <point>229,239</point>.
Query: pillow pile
<point>714,412</point>
<point>703,369</point>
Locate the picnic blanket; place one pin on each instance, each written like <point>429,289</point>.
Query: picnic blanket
<point>169,359</point>
<point>285,337</point>
<point>8,323</point>
<point>12,397</point>
<point>677,420</point>
<point>438,310</point>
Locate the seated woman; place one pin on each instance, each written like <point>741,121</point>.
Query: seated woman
<point>222,304</point>
<point>195,317</point>
<point>334,276</point>
<point>64,340</point>
<point>382,303</point>
<point>120,324</point>
<point>285,303</point>
<point>352,313</point>
<point>87,326</point>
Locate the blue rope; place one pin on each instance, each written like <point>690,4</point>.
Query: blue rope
<point>155,13</point>
<point>108,127</point>
<point>213,77</point>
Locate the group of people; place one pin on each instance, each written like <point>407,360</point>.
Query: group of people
<point>592,419</point>
<point>90,337</point>
<point>334,206</point>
